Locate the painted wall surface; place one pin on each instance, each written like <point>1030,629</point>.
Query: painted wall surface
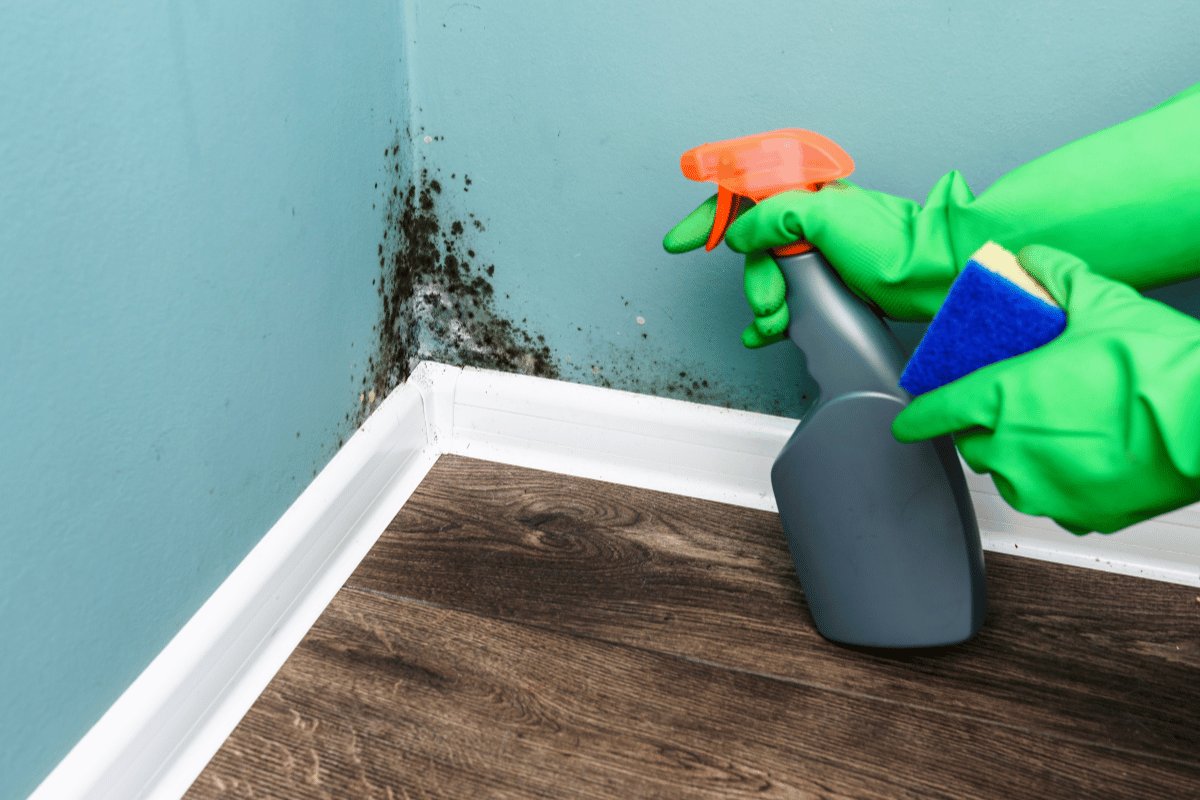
<point>187,250</point>
<point>569,120</point>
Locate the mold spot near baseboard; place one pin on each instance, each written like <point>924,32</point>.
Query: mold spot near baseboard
<point>436,297</point>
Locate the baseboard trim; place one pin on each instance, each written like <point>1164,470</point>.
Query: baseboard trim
<point>157,737</point>
<point>161,732</point>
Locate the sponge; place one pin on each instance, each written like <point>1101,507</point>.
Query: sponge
<point>993,311</point>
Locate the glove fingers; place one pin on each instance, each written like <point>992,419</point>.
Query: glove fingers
<point>1023,486</point>
<point>1070,280</point>
<point>974,446</point>
<point>979,450</point>
<point>764,284</point>
<point>772,223</point>
<point>752,338</point>
<point>982,452</point>
<point>780,219</point>
<point>971,401</point>
<point>693,231</point>
<point>1078,530</point>
<point>1050,267</point>
<point>773,324</point>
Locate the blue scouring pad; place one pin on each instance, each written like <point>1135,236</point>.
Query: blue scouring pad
<point>994,310</point>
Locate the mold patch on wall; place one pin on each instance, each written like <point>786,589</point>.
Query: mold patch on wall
<point>437,300</point>
<point>655,373</point>
<point>437,303</point>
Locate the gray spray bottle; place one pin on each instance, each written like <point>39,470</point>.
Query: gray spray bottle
<point>883,534</point>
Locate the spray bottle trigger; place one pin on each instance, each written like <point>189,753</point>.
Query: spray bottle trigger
<point>728,205</point>
<point>794,249</point>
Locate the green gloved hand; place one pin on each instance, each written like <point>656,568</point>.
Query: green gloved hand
<point>1097,429</point>
<point>763,281</point>
<point>860,232</point>
<point>1126,200</point>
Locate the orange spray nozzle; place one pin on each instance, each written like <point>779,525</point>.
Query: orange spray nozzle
<point>762,165</point>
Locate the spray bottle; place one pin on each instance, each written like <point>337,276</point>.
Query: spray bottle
<point>883,534</point>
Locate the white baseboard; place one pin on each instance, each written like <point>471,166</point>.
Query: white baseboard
<point>162,731</point>
<point>621,437</point>
<point>157,737</point>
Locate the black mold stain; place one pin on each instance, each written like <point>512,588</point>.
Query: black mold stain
<point>436,303</point>
<point>661,374</point>
<point>623,370</point>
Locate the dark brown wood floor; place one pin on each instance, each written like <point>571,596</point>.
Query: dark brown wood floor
<point>524,634</point>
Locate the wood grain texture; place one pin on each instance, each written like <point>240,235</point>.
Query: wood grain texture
<point>522,634</point>
<point>1071,652</point>
<point>392,698</point>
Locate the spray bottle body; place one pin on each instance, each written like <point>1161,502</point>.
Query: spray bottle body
<point>883,534</point>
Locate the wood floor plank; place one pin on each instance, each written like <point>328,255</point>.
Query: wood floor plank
<point>1068,652</point>
<point>390,698</point>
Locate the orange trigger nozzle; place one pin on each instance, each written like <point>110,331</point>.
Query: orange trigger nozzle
<point>727,211</point>
<point>762,165</point>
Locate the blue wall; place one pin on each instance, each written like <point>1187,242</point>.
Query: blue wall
<point>187,248</point>
<point>195,198</point>
<point>570,118</point>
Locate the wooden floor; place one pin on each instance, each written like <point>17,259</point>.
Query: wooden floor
<point>523,634</point>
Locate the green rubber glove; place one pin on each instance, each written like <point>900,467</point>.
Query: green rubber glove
<point>1126,200</point>
<point>763,281</point>
<point>1098,429</point>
